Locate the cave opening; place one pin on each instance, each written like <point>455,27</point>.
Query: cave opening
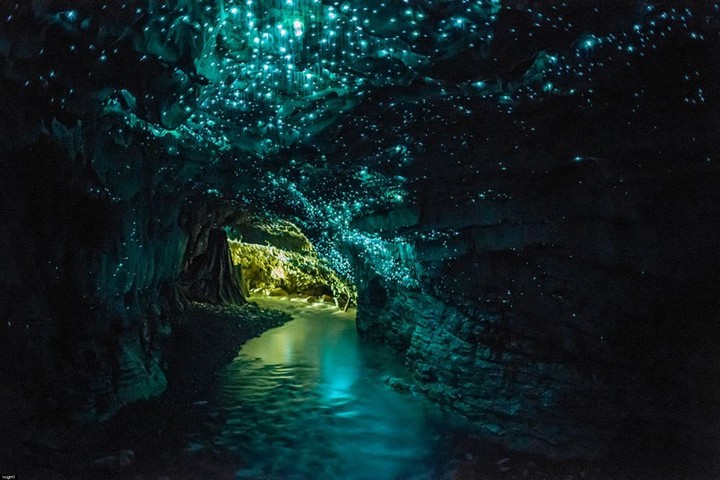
<point>277,259</point>
<point>260,255</point>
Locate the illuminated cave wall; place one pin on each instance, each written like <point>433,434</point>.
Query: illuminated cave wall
<point>275,258</point>
<point>268,270</point>
<point>523,192</point>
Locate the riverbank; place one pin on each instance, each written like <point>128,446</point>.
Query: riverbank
<point>146,440</point>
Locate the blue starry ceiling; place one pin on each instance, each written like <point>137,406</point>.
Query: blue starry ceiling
<point>335,109</point>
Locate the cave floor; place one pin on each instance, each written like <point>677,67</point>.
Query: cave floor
<point>307,400</point>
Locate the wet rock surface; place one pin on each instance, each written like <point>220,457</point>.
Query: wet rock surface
<point>146,439</point>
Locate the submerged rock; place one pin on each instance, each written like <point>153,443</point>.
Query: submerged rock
<point>398,384</point>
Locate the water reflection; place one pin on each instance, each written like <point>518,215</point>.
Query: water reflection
<point>308,400</point>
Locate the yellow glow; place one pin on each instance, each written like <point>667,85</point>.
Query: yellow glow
<point>267,268</point>
<point>277,272</point>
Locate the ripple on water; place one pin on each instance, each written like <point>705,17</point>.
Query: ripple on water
<point>307,400</point>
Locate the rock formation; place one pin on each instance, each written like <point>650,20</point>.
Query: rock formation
<point>524,194</point>
<point>212,277</point>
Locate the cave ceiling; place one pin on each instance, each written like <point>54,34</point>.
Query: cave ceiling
<point>322,111</point>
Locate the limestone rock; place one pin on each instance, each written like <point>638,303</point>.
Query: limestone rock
<point>398,384</point>
<point>212,277</point>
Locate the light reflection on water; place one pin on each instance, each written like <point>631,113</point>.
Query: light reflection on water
<point>308,400</point>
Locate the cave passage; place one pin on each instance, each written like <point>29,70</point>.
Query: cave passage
<point>311,399</point>
<point>275,258</point>
<point>519,199</point>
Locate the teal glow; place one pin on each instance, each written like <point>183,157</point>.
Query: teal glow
<point>308,399</point>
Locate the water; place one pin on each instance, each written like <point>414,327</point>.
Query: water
<point>309,400</point>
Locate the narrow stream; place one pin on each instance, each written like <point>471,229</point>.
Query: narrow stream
<point>309,400</point>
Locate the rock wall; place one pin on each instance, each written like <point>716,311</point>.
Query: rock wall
<point>569,309</point>
<point>212,277</point>
<point>88,282</point>
<point>558,346</point>
<point>276,258</point>
<point>97,198</point>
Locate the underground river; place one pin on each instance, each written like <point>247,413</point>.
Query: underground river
<point>309,399</point>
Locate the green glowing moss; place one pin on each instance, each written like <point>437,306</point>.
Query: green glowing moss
<point>273,271</point>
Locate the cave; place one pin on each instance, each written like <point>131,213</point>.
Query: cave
<point>318,239</point>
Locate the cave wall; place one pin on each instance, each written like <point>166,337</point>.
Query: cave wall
<point>568,319</point>
<point>212,277</point>
<point>89,279</point>
<point>94,203</point>
<point>563,345</point>
<point>565,303</point>
<point>100,257</point>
